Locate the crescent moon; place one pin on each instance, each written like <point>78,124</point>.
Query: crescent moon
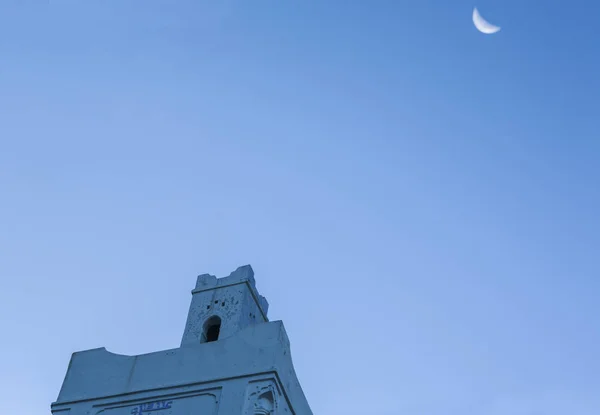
<point>483,25</point>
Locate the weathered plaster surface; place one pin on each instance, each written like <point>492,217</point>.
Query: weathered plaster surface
<point>234,299</point>
<point>247,371</point>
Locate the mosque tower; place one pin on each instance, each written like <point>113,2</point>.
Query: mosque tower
<point>232,361</point>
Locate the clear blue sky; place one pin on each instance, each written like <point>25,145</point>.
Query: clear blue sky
<point>420,202</point>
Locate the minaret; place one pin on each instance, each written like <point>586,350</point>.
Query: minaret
<point>232,361</point>
<point>223,307</point>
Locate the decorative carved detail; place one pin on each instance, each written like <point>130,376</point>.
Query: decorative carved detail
<point>262,398</point>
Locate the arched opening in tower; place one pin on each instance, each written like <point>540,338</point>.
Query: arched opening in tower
<point>212,329</point>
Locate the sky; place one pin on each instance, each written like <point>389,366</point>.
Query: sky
<point>419,201</point>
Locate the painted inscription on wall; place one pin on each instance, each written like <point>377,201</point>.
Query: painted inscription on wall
<point>151,406</point>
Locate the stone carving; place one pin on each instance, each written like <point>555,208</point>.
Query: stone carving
<point>262,398</point>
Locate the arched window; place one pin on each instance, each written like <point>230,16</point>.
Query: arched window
<point>211,330</point>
